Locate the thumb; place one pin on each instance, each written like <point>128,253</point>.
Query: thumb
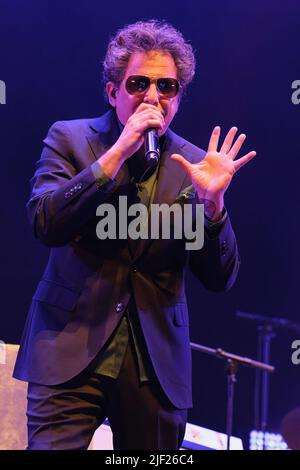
<point>183,162</point>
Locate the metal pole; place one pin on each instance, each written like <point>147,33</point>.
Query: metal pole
<point>231,368</point>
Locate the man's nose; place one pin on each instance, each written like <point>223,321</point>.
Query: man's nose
<point>151,96</point>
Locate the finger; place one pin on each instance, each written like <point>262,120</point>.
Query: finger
<point>236,146</point>
<point>143,121</point>
<point>228,140</point>
<point>148,107</point>
<point>243,160</point>
<point>183,162</point>
<point>152,122</point>
<point>151,114</point>
<point>214,139</point>
<point>144,106</point>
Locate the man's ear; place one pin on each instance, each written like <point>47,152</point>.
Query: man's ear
<point>111,93</point>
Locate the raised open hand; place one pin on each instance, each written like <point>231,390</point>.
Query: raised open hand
<point>212,176</point>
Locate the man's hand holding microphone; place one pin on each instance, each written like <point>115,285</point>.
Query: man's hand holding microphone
<point>136,129</point>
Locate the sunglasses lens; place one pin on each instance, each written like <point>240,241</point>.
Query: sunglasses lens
<point>168,87</point>
<point>137,84</point>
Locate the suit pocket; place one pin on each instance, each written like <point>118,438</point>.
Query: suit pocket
<point>181,317</point>
<point>56,295</point>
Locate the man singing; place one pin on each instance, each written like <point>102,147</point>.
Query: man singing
<point>107,335</point>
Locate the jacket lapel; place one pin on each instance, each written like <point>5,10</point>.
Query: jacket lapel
<point>104,133</point>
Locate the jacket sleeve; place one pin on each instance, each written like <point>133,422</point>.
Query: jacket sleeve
<point>62,199</point>
<point>217,263</point>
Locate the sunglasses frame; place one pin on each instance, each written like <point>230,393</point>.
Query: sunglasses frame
<point>153,80</point>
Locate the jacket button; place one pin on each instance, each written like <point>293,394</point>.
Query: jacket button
<point>134,269</point>
<point>224,247</point>
<point>119,307</point>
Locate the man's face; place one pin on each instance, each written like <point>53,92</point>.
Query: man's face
<point>154,64</point>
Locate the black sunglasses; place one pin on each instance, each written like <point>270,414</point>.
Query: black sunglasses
<point>166,87</point>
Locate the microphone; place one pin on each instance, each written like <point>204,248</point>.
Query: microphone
<point>152,150</point>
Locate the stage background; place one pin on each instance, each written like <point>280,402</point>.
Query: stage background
<point>248,57</point>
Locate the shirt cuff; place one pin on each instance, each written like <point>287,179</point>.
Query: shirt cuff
<point>103,181</point>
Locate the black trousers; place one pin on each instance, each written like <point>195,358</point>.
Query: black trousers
<point>65,417</point>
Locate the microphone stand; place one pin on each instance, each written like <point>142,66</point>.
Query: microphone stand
<point>232,363</point>
<point>266,333</point>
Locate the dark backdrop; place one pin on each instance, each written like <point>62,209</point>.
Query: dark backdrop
<point>248,56</point>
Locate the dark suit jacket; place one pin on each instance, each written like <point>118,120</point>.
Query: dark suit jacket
<point>87,282</point>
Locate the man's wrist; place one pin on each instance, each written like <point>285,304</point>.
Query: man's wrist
<point>103,182</point>
<point>111,161</point>
<point>215,217</point>
<point>213,211</point>
<point>213,228</point>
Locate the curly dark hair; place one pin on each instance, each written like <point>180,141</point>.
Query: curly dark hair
<point>145,36</point>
